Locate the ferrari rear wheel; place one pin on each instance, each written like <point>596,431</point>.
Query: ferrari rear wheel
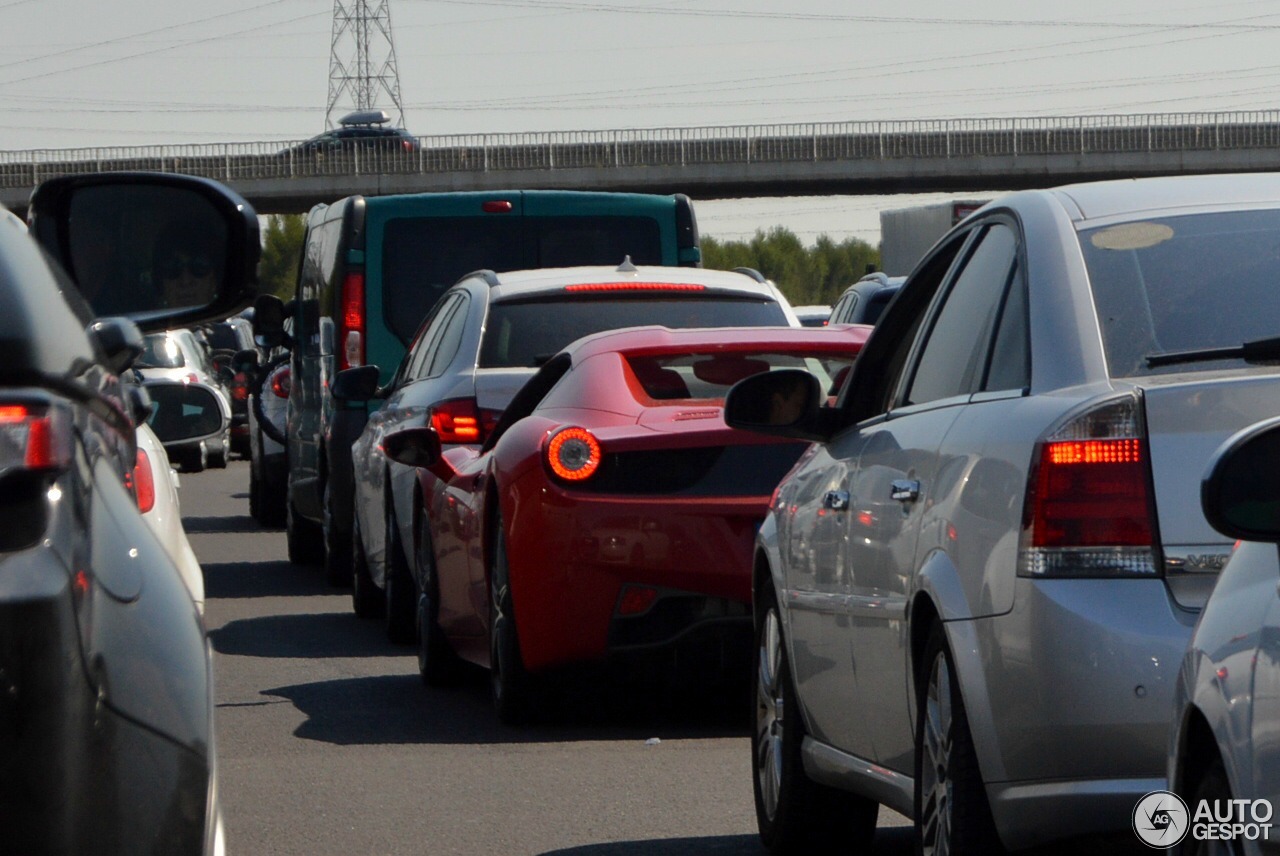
<point>512,687</point>
<point>399,588</point>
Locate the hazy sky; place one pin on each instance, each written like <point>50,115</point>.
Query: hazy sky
<point>78,73</point>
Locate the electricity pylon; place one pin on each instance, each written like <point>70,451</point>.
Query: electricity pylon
<point>362,59</point>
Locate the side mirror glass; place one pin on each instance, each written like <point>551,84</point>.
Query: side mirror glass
<point>120,341</point>
<point>784,403</point>
<point>184,413</point>
<point>357,384</point>
<point>413,447</point>
<point>1240,494</point>
<point>164,250</point>
<point>268,321</point>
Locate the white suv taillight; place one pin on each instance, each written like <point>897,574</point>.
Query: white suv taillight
<point>1089,509</point>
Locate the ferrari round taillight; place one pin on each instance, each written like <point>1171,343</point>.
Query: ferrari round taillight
<point>573,454</point>
<point>279,381</point>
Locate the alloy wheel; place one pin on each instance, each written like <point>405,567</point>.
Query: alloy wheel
<point>935,765</point>
<point>770,719</point>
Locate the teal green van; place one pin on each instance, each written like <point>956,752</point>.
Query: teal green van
<point>372,267</point>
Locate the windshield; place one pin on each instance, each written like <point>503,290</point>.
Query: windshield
<point>528,333</point>
<point>160,352</point>
<point>1181,283</point>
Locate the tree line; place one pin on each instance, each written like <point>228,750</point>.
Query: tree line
<point>806,275</point>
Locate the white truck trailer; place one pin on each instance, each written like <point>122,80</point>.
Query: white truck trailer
<point>907,233</point>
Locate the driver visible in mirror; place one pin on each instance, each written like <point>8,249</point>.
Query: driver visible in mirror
<point>186,266</point>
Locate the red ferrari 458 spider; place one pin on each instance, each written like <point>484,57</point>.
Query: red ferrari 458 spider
<point>611,512</point>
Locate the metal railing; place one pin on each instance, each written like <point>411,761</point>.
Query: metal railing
<point>672,147</point>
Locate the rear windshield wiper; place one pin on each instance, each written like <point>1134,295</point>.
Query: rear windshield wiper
<point>1257,351</point>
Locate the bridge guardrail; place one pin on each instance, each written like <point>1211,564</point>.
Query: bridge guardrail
<point>667,147</point>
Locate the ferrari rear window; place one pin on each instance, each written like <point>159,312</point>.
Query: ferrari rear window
<point>709,376</point>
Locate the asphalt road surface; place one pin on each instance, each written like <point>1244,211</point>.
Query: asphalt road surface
<point>328,743</point>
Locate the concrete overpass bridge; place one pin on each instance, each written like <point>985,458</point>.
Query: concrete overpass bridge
<point>710,162</point>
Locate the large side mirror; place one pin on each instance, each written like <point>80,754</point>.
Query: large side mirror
<point>164,250</point>
<point>1240,494</point>
<point>783,403</point>
<point>356,384</point>
<point>413,447</point>
<point>120,341</point>
<point>184,413</point>
<point>268,322</point>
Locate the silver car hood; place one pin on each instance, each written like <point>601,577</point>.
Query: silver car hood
<point>1188,417</point>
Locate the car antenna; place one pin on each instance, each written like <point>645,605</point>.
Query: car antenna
<point>626,266</point>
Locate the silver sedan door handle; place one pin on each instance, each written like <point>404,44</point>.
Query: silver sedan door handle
<point>905,490</point>
<point>836,500</point>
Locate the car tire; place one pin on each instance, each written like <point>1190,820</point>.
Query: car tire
<point>217,454</point>
<point>271,500</point>
<point>951,808</point>
<point>255,489</point>
<point>303,537</point>
<point>1211,787</point>
<point>511,686</point>
<point>438,665</point>
<point>366,600</point>
<point>399,588</point>
<point>794,814</point>
<point>195,460</point>
<point>337,543</point>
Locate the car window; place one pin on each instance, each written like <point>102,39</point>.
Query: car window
<point>954,356</point>
<point>422,350</point>
<point>525,333</point>
<point>450,337</point>
<point>1010,363</point>
<point>160,352</point>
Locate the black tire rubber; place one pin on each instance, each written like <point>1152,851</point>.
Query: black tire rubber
<point>399,588</point>
<point>513,689</point>
<point>794,814</point>
<point>195,460</point>
<point>303,537</point>
<point>271,501</point>
<point>951,808</point>
<point>366,599</point>
<point>337,543</point>
<point>217,454</point>
<point>438,665</point>
<point>255,490</point>
<point>1211,787</point>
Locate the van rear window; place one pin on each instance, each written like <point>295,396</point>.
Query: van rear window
<point>528,333</point>
<point>424,256</point>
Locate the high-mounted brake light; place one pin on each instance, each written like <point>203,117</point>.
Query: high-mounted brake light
<point>144,486</point>
<point>460,420</point>
<point>351,329</point>
<point>636,286</point>
<point>573,454</point>
<point>496,206</point>
<point>1089,509</point>
<point>33,437</point>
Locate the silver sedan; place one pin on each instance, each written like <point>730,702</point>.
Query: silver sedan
<point>974,592</point>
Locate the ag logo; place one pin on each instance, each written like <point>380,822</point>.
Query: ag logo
<point>1160,819</point>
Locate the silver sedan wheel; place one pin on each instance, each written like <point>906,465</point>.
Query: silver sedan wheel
<point>770,721</point>
<point>935,766</point>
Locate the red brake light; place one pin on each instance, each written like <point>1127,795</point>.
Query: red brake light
<point>1089,510</point>
<point>351,329</point>
<point>573,454</point>
<point>636,286</point>
<point>461,421</point>
<point>497,206</point>
<point>33,438</point>
<point>636,599</point>
<point>144,486</point>
<point>240,387</point>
